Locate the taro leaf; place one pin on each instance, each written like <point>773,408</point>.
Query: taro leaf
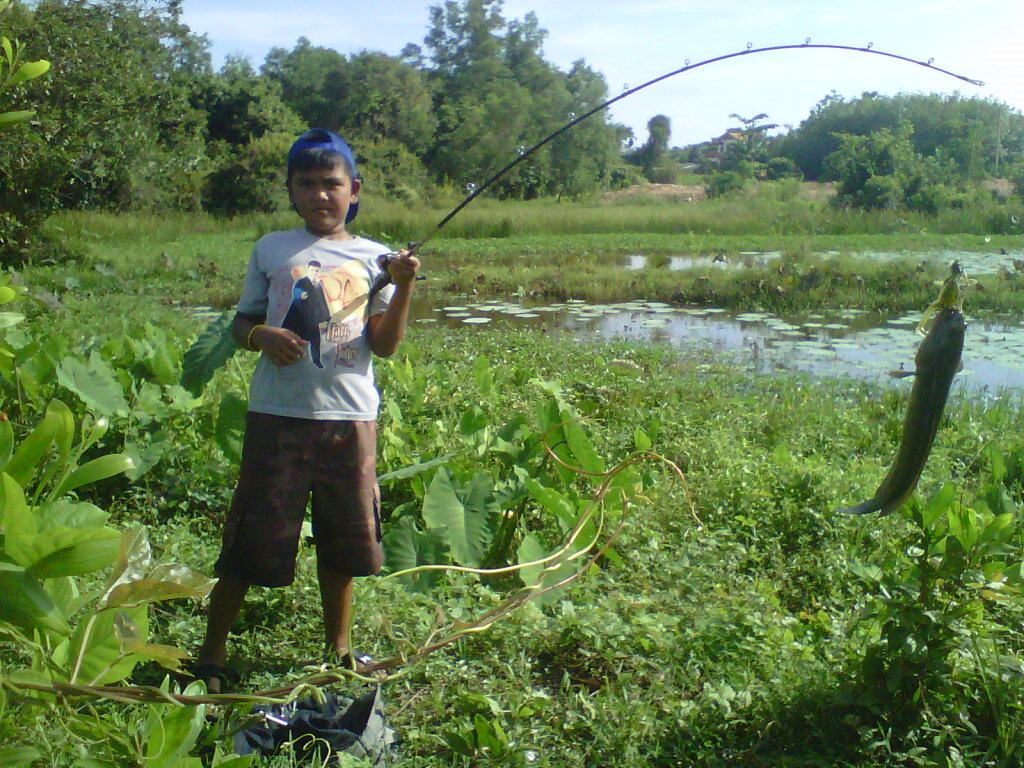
<point>406,546</point>
<point>211,350</point>
<point>587,458</point>
<point>231,426</point>
<point>58,425</point>
<point>554,502</point>
<point>164,360</point>
<point>166,581</point>
<point>19,757</point>
<point>95,383</point>
<point>167,656</point>
<point>93,471</point>
<point>413,470</point>
<point>25,604</point>
<point>467,530</point>
<point>96,651</point>
<point>146,456</point>
<point>6,442</point>
<point>482,375</point>
<point>531,550</point>
<point>68,551</point>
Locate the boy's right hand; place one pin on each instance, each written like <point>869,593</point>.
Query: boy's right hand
<point>279,344</point>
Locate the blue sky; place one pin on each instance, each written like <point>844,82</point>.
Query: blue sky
<point>631,42</point>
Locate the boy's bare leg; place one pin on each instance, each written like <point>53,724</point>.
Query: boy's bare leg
<point>226,599</point>
<point>336,596</point>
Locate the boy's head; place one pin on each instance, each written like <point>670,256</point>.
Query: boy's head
<point>313,157</point>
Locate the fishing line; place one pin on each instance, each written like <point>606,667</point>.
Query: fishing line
<point>476,190</point>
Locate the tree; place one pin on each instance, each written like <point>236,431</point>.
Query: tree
<point>115,125</point>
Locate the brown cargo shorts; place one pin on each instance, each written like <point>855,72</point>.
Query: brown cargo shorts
<point>284,459</point>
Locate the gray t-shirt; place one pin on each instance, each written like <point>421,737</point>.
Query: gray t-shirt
<point>318,289</point>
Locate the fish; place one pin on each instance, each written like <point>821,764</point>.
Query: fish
<point>936,363</point>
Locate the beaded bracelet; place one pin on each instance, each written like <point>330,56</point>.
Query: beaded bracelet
<point>248,339</point>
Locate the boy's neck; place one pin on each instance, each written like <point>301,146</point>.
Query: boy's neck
<point>340,234</point>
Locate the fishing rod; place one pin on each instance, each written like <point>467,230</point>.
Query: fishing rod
<point>475,191</point>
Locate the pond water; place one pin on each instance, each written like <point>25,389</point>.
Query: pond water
<point>974,262</point>
<point>841,343</point>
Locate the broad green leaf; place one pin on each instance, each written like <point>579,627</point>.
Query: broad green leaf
<point>554,502</point>
<point>531,550</point>
<point>230,429</point>
<point>8,49</point>
<point>23,463</point>
<point>412,470</point>
<point>93,471</point>
<point>210,351</point>
<point>7,319</point>
<point>29,70</point>
<point>641,440</point>
<point>65,513</point>
<point>582,449</point>
<point>72,551</point>
<point>128,634</point>
<point>95,383</point>
<point>7,294</point>
<point>133,561</point>
<point>145,456</point>
<point>938,503</point>
<point>482,375</point>
<point>17,116</point>
<point>65,594</point>
<point>64,436</point>
<point>466,531</point>
<point>19,757</point>
<point>164,360</point>
<point>18,520</point>
<point>171,733</point>
<point>96,652</point>
<point>166,581</point>
<point>406,546</point>
<point>25,604</point>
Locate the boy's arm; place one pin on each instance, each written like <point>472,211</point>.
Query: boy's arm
<point>385,331</point>
<point>279,344</point>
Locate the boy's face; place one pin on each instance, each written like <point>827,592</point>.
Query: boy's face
<point>322,197</point>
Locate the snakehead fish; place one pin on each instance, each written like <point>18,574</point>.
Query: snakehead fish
<point>936,362</point>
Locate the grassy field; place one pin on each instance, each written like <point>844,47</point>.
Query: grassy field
<point>766,631</point>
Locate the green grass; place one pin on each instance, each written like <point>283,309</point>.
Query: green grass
<point>739,641</point>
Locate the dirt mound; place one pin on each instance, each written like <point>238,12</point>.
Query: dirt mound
<point>683,193</point>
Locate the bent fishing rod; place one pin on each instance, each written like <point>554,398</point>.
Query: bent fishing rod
<point>475,191</point>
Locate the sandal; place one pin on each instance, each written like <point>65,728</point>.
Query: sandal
<point>216,677</point>
<point>356,662</point>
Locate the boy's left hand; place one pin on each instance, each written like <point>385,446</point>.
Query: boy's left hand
<point>403,268</point>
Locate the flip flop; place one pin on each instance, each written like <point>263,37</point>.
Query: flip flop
<point>216,677</point>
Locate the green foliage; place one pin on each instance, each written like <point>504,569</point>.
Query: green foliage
<point>725,183</point>
<point>953,590</point>
<point>977,135</point>
<point>17,71</point>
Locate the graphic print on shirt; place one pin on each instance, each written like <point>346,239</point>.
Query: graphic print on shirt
<point>327,309</point>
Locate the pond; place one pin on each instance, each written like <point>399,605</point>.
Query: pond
<point>840,343</point>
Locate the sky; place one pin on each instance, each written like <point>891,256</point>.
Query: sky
<point>632,42</point>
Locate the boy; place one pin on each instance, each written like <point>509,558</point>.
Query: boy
<point>311,425</point>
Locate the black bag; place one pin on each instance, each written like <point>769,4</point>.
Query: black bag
<point>356,727</point>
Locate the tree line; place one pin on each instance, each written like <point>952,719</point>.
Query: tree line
<point>134,116</point>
